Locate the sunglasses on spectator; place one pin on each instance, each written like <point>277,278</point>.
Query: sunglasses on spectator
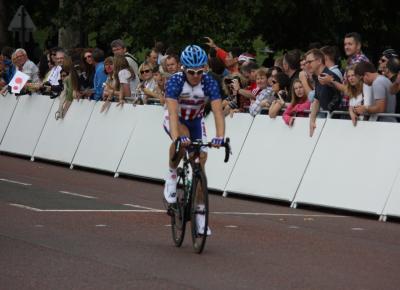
<point>88,56</point>
<point>382,60</point>
<point>145,71</point>
<point>274,82</point>
<point>195,72</point>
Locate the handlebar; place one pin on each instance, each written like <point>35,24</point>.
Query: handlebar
<point>199,144</point>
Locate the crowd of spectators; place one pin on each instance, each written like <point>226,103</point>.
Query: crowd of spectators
<point>297,84</point>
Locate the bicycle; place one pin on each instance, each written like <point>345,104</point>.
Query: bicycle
<point>189,195</point>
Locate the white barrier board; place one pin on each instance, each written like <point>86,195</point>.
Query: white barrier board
<point>352,168</point>
<point>60,138</point>
<point>147,151</point>
<point>26,124</point>
<point>237,128</point>
<point>274,158</point>
<point>106,137</point>
<point>392,207</point>
<point>7,107</point>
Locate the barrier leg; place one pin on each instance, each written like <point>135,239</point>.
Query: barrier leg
<point>116,175</point>
<point>293,205</point>
<point>225,194</point>
<point>383,218</point>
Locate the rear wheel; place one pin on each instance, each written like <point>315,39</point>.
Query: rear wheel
<point>177,210</point>
<point>199,206</point>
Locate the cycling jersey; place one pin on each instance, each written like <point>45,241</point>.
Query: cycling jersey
<point>192,99</point>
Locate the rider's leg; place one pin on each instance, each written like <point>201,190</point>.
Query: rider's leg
<point>171,178</point>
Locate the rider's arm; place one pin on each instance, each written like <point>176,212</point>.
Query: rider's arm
<point>172,106</point>
<point>216,107</point>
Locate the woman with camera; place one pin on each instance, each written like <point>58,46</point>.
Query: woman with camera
<point>234,102</point>
<point>280,84</point>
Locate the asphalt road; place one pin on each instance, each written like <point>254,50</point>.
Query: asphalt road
<point>74,229</point>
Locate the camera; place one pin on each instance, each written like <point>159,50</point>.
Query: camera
<point>229,80</point>
<point>52,90</point>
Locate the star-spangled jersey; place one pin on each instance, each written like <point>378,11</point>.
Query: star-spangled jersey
<point>192,99</point>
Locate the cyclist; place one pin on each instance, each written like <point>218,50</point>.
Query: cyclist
<point>187,93</point>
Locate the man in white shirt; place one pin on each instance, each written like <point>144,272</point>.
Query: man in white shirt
<point>25,65</point>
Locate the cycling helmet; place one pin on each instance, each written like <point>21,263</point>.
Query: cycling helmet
<point>193,56</point>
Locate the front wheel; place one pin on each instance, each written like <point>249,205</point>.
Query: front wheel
<point>199,211</point>
<point>178,216</point>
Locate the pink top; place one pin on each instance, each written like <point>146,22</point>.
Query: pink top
<point>292,110</point>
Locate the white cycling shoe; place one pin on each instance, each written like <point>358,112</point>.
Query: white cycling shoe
<point>170,190</point>
<point>200,221</point>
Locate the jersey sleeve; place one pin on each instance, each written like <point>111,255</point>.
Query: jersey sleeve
<point>211,88</point>
<point>174,86</point>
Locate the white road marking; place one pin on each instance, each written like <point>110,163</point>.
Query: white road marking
<point>77,194</point>
<point>144,207</point>
<point>231,226</point>
<point>101,226</point>
<point>293,227</point>
<point>357,229</point>
<point>277,214</point>
<point>25,207</point>
<point>16,182</point>
<point>102,210</point>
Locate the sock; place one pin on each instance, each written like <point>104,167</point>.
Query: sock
<point>171,173</point>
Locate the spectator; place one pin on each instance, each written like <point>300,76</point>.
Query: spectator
<point>354,93</point>
<point>45,65</point>
<point>148,84</point>
<point>393,69</point>
<point>124,78</point>
<point>280,87</point>
<point>382,100</point>
<point>298,105</point>
<point>152,57</point>
<point>172,64</point>
<point>109,92</point>
<point>118,48</point>
<point>9,67</point>
<point>99,76</point>
<point>245,94</point>
<point>160,49</point>
<point>326,97</point>
<point>158,94</point>
<point>26,66</point>
<point>386,55</point>
<point>54,73</point>
<point>271,73</point>
<point>330,55</point>
<point>263,93</point>
<point>233,102</point>
<point>69,78</point>
<point>86,76</point>
<point>230,59</point>
<point>291,65</point>
<point>352,48</point>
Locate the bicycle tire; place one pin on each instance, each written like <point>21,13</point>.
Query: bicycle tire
<point>178,218</point>
<point>199,184</point>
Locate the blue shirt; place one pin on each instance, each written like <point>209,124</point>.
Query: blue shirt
<point>99,78</point>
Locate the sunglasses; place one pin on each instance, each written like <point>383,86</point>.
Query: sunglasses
<point>274,82</point>
<point>88,56</point>
<point>383,60</point>
<point>145,71</point>
<point>193,72</point>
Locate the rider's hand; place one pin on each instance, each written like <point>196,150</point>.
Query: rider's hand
<point>185,140</point>
<point>217,142</point>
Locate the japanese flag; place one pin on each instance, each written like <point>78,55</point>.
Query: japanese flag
<point>18,82</point>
